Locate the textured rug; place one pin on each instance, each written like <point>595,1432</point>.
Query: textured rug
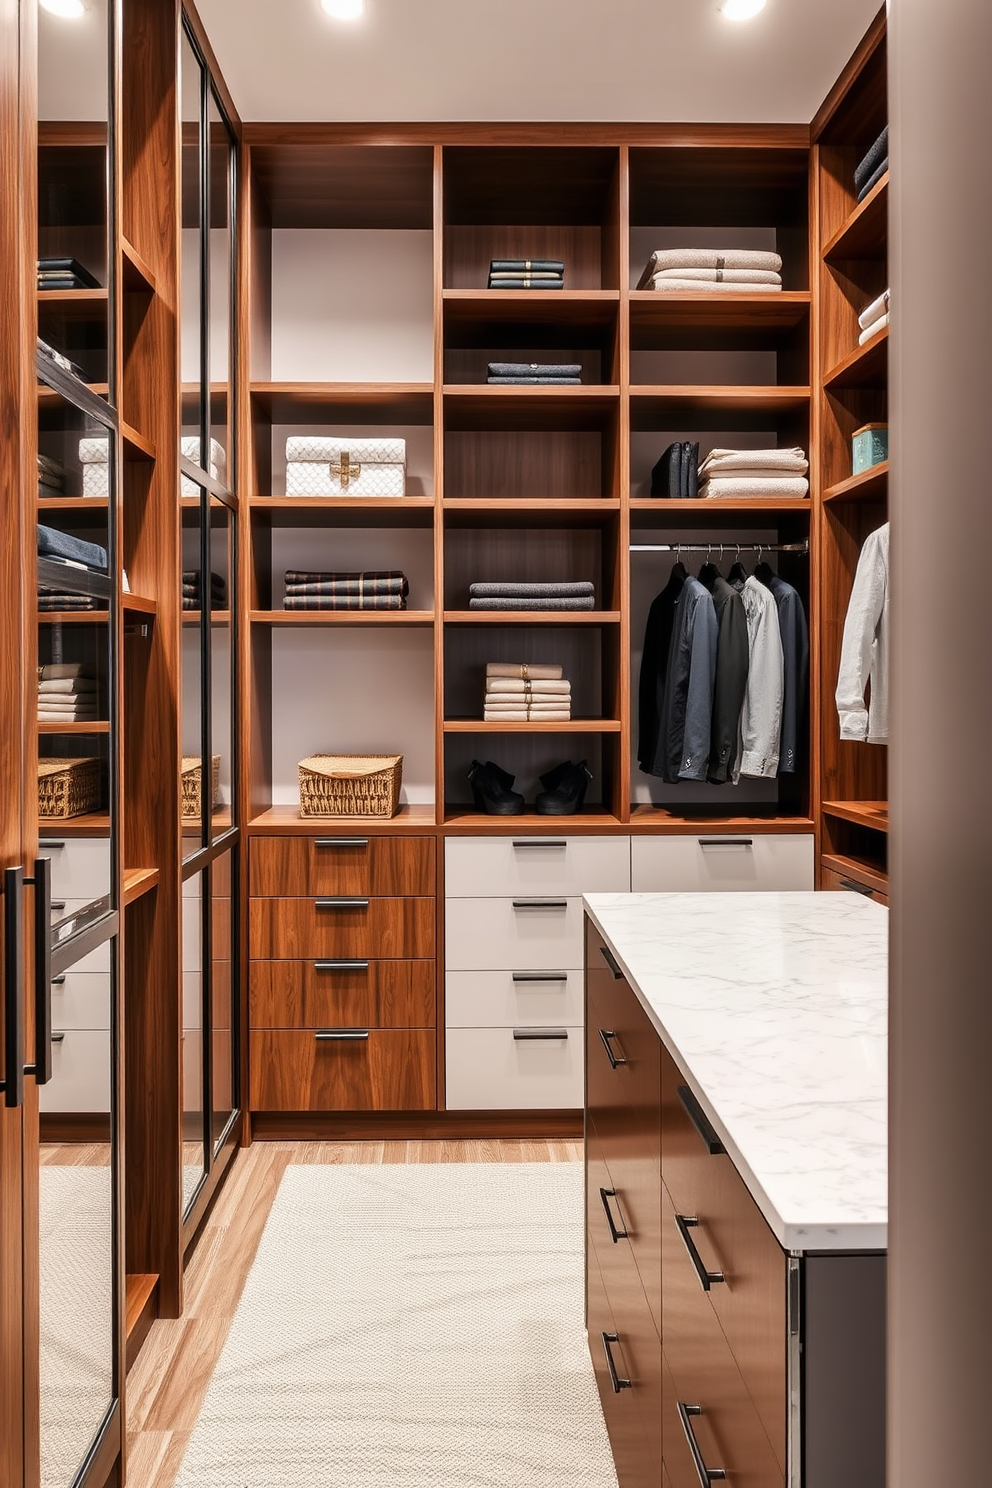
<point>410,1327</point>
<point>76,1315</point>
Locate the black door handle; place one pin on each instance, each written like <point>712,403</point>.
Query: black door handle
<point>700,1121</point>
<point>607,956</point>
<point>42,881</point>
<point>706,1475</point>
<point>13,988</point>
<point>616,1380</point>
<point>606,1034</point>
<point>685,1223</point>
<point>606,1194</point>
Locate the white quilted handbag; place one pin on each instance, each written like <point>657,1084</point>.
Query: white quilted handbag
<point>321,466</point>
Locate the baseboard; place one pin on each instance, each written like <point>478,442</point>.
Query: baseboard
<point>67,1126</point>
<point>400,1126</point>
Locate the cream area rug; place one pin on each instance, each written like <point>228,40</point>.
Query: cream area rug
<point>410,1327</point>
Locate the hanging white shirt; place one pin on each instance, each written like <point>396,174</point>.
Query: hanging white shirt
<point>761,718</point>
<point>864,652</point>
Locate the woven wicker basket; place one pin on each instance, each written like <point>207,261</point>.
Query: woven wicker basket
<point>191,784</point>
<point>350,784</point>
<point>67,787</point>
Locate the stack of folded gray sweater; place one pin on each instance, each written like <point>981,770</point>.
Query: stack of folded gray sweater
<point>699,270</point>
<point>526,692</point>
<point>66,693</point>
<point>754,474</point>
<point>580,595</point>
<point>535,374</point>
<point>872,166</point>
<point>376,590</point>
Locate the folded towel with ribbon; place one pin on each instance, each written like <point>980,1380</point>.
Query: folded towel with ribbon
<point>744,488</point>
<point>709,258</point>
<point>526,715</point>
<point>526,670</point>
<point>741,461</point>
<point>515,686</point>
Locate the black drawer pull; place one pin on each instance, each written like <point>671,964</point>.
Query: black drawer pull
<point>56,905</point>
<point>540,903</point>
<point>706,1475</point>
<point>615,1379</point>
<point>700,1121</point>
<point>557,843</point>
<point>540,976</point>
<point>523,1034</point>
<point>341,965</point>
<point>50,845</point>
<point>858,888</point>
<point>606,1194</point>
<point>606,1034</point>
<point>342,902</point>
<point>341,1035</point>
<point>58,1038</point>
<point>341,842</point>
<point>725,841</point>
<point>59,981</point>
<point>608,957</point>
<point>687,1222</point>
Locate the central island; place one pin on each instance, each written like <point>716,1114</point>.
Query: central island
<point>736,1186</point>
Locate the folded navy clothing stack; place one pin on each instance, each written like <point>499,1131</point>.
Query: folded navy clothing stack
<point>51,477</point>
<point>676,474</point>
<point>383,589</point>
<point>539,374</point>
<point>510,596</point>
<point>872,167</point>
<point>193,593</point>
<point>65,548</point>
<point>64,273</point>
<point>527,273</point>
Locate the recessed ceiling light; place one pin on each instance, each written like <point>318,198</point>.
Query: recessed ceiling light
<point>344,10</point>
<point>66,10</point>
<point>742,10</point>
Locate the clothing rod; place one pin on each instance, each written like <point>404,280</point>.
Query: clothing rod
<point>724,549</point>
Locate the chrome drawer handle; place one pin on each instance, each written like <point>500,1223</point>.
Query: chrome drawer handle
<point>700,1121</point>
<point>540,903</point>
<point>745,842</point>
<point>341,903</point>
<point>617,1382</point>
<point>606,1034</point>
<point>706,1475</point>
<point>607,956</point>
<point>530,843</point>
<point>523,1034</point>
<point>540,976</point>
<point>606,1194</point>
<point>687,1222</point>
<point>341,1035</point>
<point>340,966</point>
<point>341,842</point>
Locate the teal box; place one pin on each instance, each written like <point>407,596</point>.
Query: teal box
<point>870,446</point>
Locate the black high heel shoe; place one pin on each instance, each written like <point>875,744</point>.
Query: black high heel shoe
<point>491,790</point>
<point>566,789</point>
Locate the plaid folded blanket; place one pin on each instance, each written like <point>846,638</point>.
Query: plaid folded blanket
<point>330,584</point>
<point>345,602</point>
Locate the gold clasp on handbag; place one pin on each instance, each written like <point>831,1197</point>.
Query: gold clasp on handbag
<point>345,470</point>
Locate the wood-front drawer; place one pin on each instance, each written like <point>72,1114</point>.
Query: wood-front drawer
<point>506,1069</point>
<point>530,932</point>
<point>840,882</point>
<point>623,1213</point>
<point>729,861</point>
<point>336,863</point>
<point>708,1385</point>
<point>342,993</point>
<point>322,928</point>
<point>485,866</point>
<point>626,1362</point>
<point>338,1070</point>
<point>508,999</point>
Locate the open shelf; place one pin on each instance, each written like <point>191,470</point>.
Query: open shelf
<point>705,398</point>
<point>770,505</point>
<point>864,233</point>
<point>93,824</point>
<point>590,819</point>
<point>137,882</point>
<point>137,277</point>
<point>873,814</point>
<point>682,310</point>
<point>96,727</point>
<point>865,367</point>
<point>667,821</point>
<point>313,402</point>
<point>532,617</point>
<point>281,819</point>
<point>345,511</point>
<point>73,617</point>
<point>569,308</point>
<point>342,617</point>
<point>139,604</point>
<point>857,868</point>
<point>195,617</point>
<point>528,406</point>
<point>50,397</point>
<point>75,304</point>
<point>136,446</point>
<point>868,485</point>
<point>554,726</point>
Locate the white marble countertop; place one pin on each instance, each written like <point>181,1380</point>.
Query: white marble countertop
<point>774,1007</point>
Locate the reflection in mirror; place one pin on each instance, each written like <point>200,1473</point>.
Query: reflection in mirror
<point>221,665</point>
<point>194,1154</point>
<point>221,291</point>
<point>191,273</point>
<point>194,798</point>
<point>222,931</point>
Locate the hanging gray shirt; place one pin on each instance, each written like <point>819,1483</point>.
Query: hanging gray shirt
<point>688,705</point>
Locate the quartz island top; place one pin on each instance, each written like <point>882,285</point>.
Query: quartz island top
<point>775,1009</point>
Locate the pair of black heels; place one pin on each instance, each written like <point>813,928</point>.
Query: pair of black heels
<point>564,790</point>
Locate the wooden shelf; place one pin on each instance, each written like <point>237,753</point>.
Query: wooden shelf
<point>75,304</point>
<point>475,406</point>
<point>562,726</point>
<point>314,402</point>
<point>136,446</point>
<point>141,1310</point>
<point>736,399</point>
<point>665,821</point>
<point>136,276</point>
<point>93,824</point>
<point>139,604</point>
<point>590,819</point>
<point>532,617</point>
<point>868,485</point>
<point>571,308</point>
<point>73,617</point>
<point>479,512</point>
<point>865,367</point>
<point>683,310</point>
<point>857,868</point>
<point>345,511</point>
<point>93,508</point>
<point>874,814</point>
<point>865,233</point>
<point>217,617</point>
<point>342,617</point>
<point>47,396</point>
<point>139,881</point>
<point>97,727</point>
<point>278,820</point>
<point>713,505</point>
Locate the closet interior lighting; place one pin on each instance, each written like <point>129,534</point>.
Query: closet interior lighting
<point>742,10</point>
<point>344,10</point>
<point>66,10</point>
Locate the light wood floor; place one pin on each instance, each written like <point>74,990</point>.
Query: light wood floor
<point>166,1387</point>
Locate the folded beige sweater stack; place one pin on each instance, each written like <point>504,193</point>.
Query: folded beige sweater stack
<point>522,692</point>
<point>701,270</point>
<point>753,474</point>
<point>66,694</point>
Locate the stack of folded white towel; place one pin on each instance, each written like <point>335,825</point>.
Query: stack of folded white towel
<point>743,270</point>
<point>874,318</point>
<point>526,692</point>
<point>66,694</point>
<point>744,474</point>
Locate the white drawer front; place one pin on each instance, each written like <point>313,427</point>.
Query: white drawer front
<point>192,999</point>
<point>721,861</point>
<point>487,1069</point>
<point>532,933</point>
<point>80,865</point>
<point>81,1000</point>
<point>537,865</point>
<point>80,1073</point>
<point>192,934</point>
<point>508,999</point>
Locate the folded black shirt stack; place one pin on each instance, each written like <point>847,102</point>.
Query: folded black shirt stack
<point>193,594</point>
<point>64,273</point>
<point>676,474</point>
<point>379,590</point>
<point>535,374</point>
<point>870,170</point>
<point>527,273</point>
<point>51,477</point>
<point>510,596</point>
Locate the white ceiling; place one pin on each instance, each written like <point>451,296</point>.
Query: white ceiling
<point>508,60</point>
